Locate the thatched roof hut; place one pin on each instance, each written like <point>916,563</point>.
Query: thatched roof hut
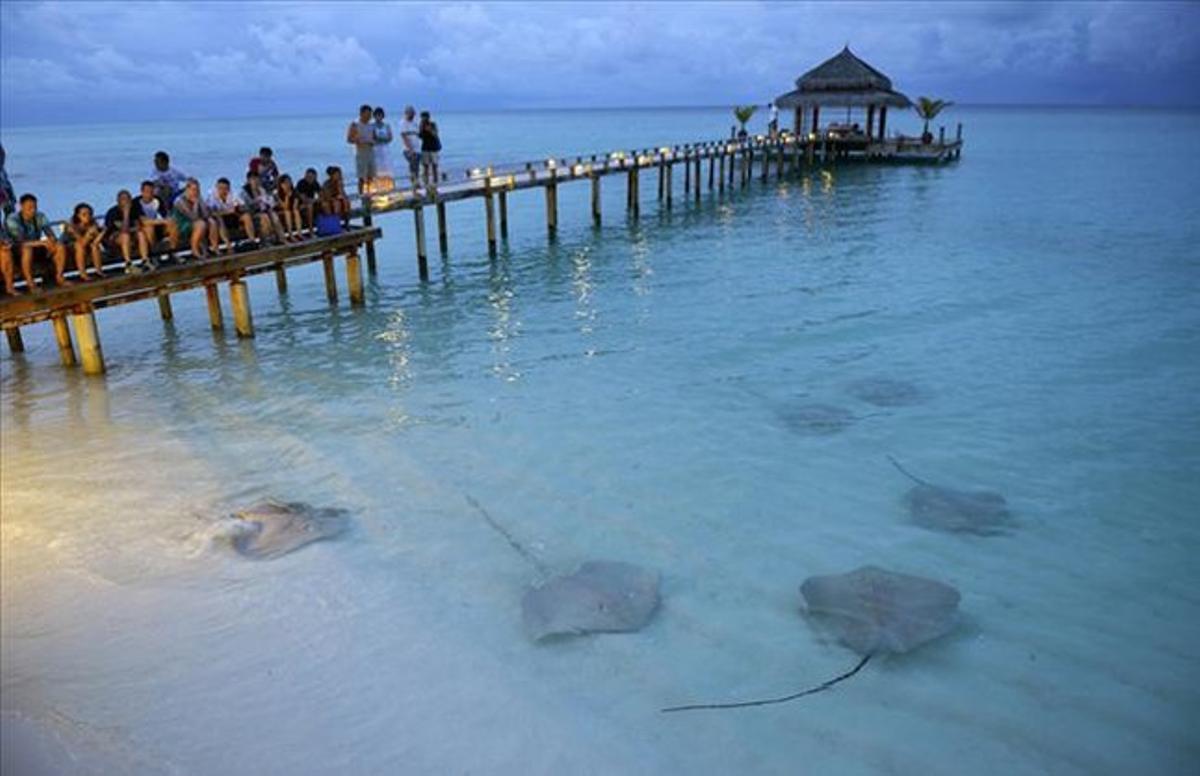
<point>842,81</point>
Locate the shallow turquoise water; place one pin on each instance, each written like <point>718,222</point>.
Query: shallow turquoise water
<point>621,393</point>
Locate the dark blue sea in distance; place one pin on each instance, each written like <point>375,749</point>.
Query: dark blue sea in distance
<point>637,392</point>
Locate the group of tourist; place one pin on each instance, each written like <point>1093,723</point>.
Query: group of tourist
<point>371,135</point>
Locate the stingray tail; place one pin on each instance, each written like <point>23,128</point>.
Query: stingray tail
<point>521,549</point>
<point>906,472</point>
<point>782,699</point>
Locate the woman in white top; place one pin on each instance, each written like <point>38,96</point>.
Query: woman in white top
<point>384,177</point>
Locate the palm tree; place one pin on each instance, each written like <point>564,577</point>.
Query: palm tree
<point>928,109</point>
<point>743,114</point>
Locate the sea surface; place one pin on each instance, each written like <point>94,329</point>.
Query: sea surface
<point>629,392</point>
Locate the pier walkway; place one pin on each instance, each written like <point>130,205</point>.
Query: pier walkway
<point>730,163</point>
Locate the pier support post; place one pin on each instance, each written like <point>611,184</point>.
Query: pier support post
<point>721,174</point>
<point>687,174</point>
<point>766,162</point>
<point>62,335</point>
<point>670,182</point>
<point>354,279</point>
<point>696,189</point>
<point>489,209</point>
<point>810,150</point>
<point>239,299</point>
<point>280,279</point>
<point>552,207</point>
<point>330,278</point>
<point>443,235</point>
<point>662,176</point>
<point>503,201</point>
<point>15,343</point>
<point>371,244</point>
<point>596,198</point>
<point>634,195</point>
<point>419,235</point>
<point>164,307</point>
<point>214,307</point>
<point>732,163</point>
<point>712,169</point>
<point>89,342</point>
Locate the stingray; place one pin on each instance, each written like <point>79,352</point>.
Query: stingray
<point>938,508</point>
<point>270,529</point>
<point>873,612</point>
<point>886,392</point>
<point>816,419</point>
<point>601,596</point>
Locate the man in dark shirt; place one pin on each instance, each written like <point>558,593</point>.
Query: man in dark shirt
<point>122,225</point>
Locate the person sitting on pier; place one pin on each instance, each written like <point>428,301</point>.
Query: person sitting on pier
<point>288,208</point>
<point>6,264</point>
<point>121,227</point>
<point>264,165</point>
<point>261,203</point>
<point>361,135</point>
<point>333,195</point>
<point>168,181</point>
<point>82,235</point>
<point>308,194</point>
<point>31,234</point>
<point>153,217</point>
<point>431,145</point>
<point>230,213</point>
<point>8,198</point>
<point>195,221</point>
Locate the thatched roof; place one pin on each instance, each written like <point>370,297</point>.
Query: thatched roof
<point>843,80</point>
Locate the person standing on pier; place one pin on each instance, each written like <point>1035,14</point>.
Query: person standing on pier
<point>431,144</point>
<point>410,134</point>
<point>385,177</point>
<point>121,227</point>
<point>361,135</point>
<point>31,234</point>
<point>168,181</point>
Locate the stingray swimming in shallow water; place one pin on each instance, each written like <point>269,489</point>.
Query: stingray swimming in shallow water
<point>938,508</point>
<point>600,596</point>
<point>886,392</point>
<point>270,529</point>
<point>873,612</point>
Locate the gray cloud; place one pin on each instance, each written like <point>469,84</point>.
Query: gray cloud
<point>76,61</point>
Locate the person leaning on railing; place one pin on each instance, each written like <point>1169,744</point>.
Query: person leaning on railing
<point>31,234</point>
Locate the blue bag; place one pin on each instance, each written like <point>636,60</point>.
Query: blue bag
<point>328,225</point>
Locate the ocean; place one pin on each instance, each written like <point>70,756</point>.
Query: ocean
<point>629,392</point>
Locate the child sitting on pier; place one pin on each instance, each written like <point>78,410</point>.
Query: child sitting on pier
<point>230,212</point>
<point>153,218</point>
<point>333,195</point>
<point>308,194</point>
<point>31,234</point>
<point>82,234</point>
<point>121,227</point>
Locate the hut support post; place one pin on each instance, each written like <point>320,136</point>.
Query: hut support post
<point>15,343</point>
<point>419,235</point>
<point>213,300</point>
<point>89,342</point>
<point>164,307</point>
<point>239,299</point>
<point>62,335</point>
<point>354,279</point>
<point>443,237</point>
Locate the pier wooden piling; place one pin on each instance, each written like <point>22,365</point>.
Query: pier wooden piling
<point>354,279</point>
<point>280,279</point>
<point>419,236</point>
<point>502,200</point>
<point>596,197</point>
<point>489,207</point>
<point>62,335</point>
<point>552,206</point>
<point>443,236</point>
<point>239,300</point>
<point>213,300</point>
<point>15,343</point>
<point>90,353</point>
<point>330,277</point>
<point>164,307</point>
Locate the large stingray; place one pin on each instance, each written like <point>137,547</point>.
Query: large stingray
<point>270,529</point>
<point>815,419</point>
<point>886,392</point>
<point>600,596</point>
<point>873,612</point>
<point>938,508</point>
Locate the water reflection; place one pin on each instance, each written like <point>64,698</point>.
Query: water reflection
<point>505,326</point>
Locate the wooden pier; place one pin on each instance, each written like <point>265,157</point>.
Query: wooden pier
<point>732,164</point>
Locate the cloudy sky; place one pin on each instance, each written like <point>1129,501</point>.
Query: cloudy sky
<point>86,61</point>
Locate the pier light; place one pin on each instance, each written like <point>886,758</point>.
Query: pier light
<point>476,172</point>
<point>551,164</point>
<point>577,169</point>
<point>489,170</point>
<point>812,135</point>
<point>512,181</point>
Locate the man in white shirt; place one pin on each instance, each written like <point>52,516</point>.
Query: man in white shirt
<point>773,123</point>
<point>412,144</point>
<point>227,206</point>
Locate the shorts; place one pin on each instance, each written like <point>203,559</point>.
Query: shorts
<point>429,157</point>
<point>364,164</point>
